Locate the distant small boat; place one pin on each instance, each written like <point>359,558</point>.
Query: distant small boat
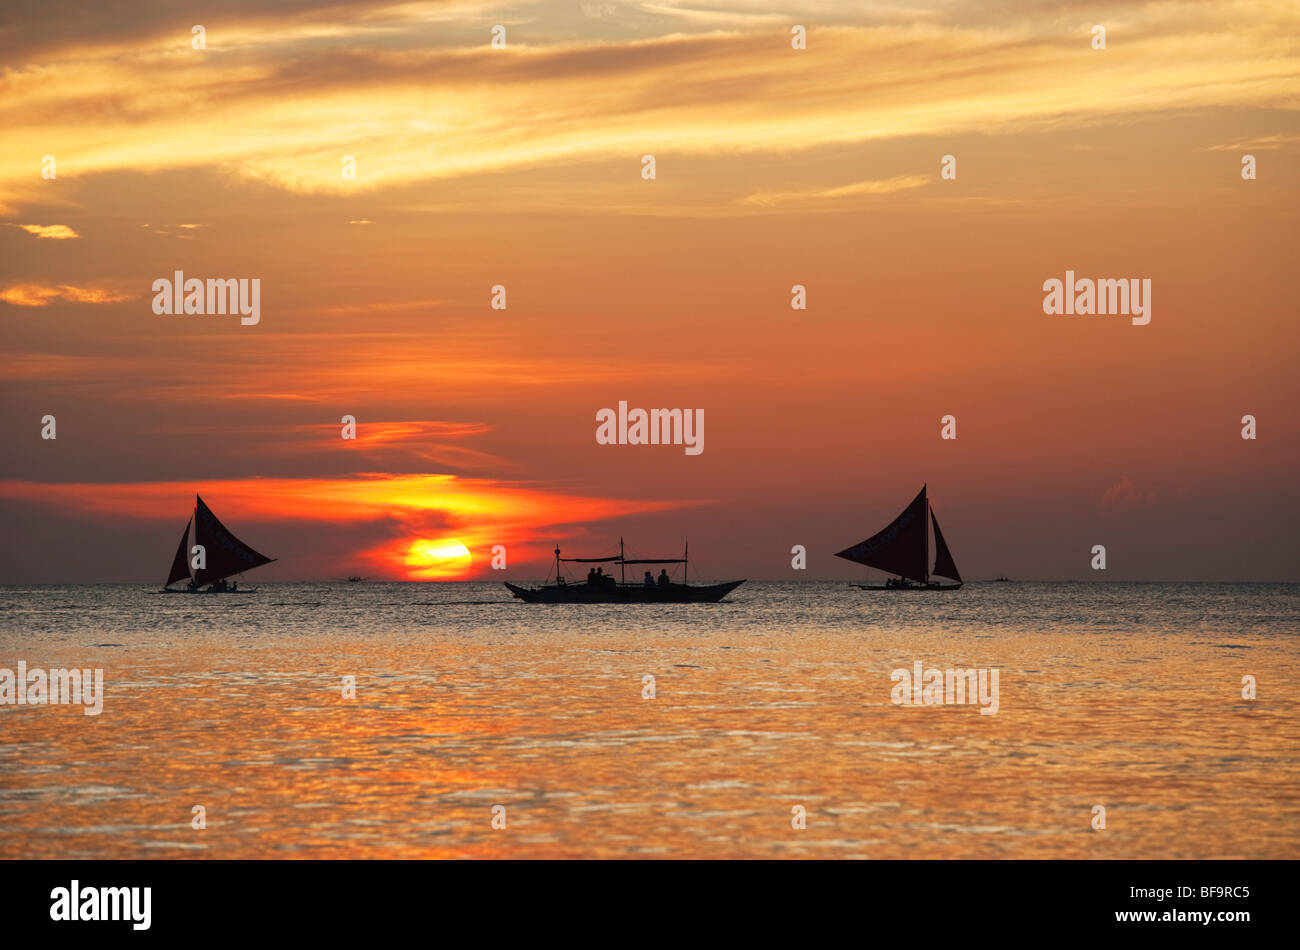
<point>903,550</point>
<point>224,555</point>
<point>606,590</point>
<point>354,578</point>
<point>1002,579</point>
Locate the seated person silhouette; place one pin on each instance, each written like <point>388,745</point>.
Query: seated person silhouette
<point>649,579</point>
<point>664,582</point>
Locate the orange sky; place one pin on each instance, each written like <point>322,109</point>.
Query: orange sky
<point>522,167</point>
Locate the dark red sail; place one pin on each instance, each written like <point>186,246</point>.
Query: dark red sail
<point>900,548</point>
<point>944,566</point>
<point>226,554</point>
<point>181,562</point>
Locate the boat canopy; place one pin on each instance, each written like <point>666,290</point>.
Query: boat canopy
<point>622,560</point>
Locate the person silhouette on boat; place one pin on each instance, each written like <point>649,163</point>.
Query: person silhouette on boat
<point>649,580</point>
<point>591,576</point>
<point>664,582</point>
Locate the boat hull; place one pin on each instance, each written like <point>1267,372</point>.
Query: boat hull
<point>184,590</point>
<point>627,594</point>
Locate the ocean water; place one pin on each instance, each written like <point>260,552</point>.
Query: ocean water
<point>1127,696</point>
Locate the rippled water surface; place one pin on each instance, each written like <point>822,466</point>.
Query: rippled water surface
<point>1126,696</point>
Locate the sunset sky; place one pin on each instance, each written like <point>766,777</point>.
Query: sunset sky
<point>522,167</point>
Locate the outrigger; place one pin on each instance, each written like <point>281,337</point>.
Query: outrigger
<point>601,588</point>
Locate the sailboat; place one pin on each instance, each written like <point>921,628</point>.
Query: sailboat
<point>224,555</point>
<point>603,589</point>
<point>903,550</point>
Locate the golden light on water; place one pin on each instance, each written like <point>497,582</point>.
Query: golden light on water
<point>437,560</point>
<point>1145,719</point>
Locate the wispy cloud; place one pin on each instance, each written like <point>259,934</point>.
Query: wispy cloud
<point>381,442</point>
<point>860,189</point>
<point>411,114</point>
<point>1125,496</point>
<point>42,295</point>
<point>54,232</point>
<point>1263,143</point>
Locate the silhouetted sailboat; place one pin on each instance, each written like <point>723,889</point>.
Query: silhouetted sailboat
<point>224,555</point>
<point>903,549</point>
<point>603,589</point>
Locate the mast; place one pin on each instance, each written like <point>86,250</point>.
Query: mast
<point>686,563</point>
<point>925,538</point>
<point>557,564</point>
<point>622,568</point>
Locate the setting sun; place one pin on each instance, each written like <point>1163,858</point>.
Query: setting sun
<point>441,559</point>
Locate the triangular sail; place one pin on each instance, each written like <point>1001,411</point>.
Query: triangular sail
<point>181,562</point>
<point>226,554</point>
<point>944,566</point>
<point>900,548</point>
